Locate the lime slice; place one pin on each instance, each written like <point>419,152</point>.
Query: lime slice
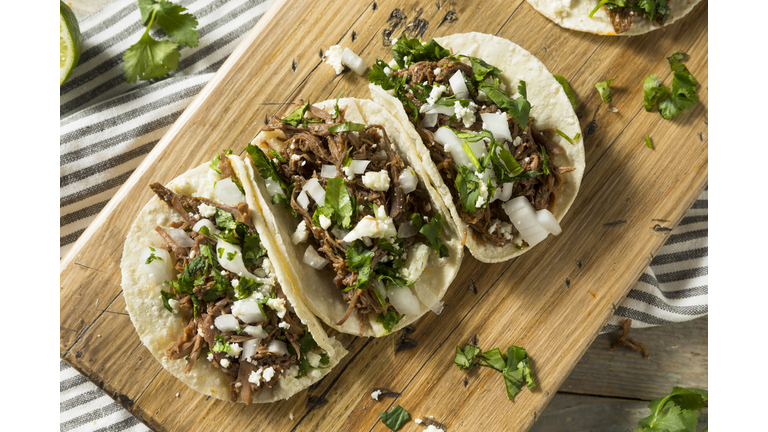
<point>71,41</point>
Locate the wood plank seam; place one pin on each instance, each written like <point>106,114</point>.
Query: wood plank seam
<point>80,336</point>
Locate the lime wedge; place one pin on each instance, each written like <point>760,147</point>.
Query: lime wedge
<point>71,41</point>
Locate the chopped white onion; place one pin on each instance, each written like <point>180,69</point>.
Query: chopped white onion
<point>226,323</point>
<point>458,85</point>
<point>358,166</point>
<point>273,187</point>
<point>226,192</point>
<point>430,119</point>
<point>453,144</point>
<point>408,180</point>
<point>523,217</point>
<point>339,233</point>
<point>313,259</point>
<point>407,229</point>
<point>403,300</point>
<point>248,310</point>
<point>278,347</point>
<point>479,150</point>
<point>235,264</point>
<point>303,200</point>
<point>548,221</point>
<point>438,109</point>
<point>498,125</point>
<point>329,171</point>
<point>427,297</point>
<point>367,241</point>
<point>353,61</point>
<point>382,155</point>
<point>206,223</point>
<point>255,331</point>
<point>379,285</point>
<point>180,237</point>
<point>158,270</point>
<point>506,191</point>
<point>249,348</point>
<point>313,188</point>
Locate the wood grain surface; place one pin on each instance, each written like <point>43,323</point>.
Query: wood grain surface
<point>552,300</point>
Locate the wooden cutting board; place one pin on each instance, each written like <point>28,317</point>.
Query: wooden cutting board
<point>553,300</point>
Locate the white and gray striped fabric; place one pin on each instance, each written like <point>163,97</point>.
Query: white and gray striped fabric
<point>108,126</point>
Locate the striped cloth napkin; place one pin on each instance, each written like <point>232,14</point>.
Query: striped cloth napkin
<point>108,126</point>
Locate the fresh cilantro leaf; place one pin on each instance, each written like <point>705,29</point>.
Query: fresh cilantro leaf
<point>675,412</point>
<point>268,169</point>
<point>567,138</point>
<point>149,58</point>
<point>378,76</point>
<point>648,142</point>
<point>245,287</point>
<point>359,259</point>
<point>519,108</point>
<point>567,89</point>
<point>225,220</point>
<point>215,163</point>
<point>221,345</point>
<point>683,95</point>
<point>432,231</point>
<point>185,281</point>
<point>180,26</point>
<point>296,118</point>
<point>604,90</point>
<point>653,91</point>
<point>653,10</point>
<point>252,249</point>
<point>195,305</point>
<point>336,110</point>
<point>341,201</point>
<point>277,156</point>
<point>152,256</point>
<point>395,418</point>
<point>481,69</point>
<point>346,127</point>
<point>408,51</point>
<point>167,296</point>
<point>389,319</point>
<point>517,372</point>
<point>544,163</point>
<point>325,359</point>
<point>464,359</point>
<point>468,186</point>
<point>494,358</point>
<point>394,249</point>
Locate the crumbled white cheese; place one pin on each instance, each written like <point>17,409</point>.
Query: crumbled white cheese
<point>284,325</point>
<point>226,323</point>
<point>494,225</point>
<point>295,157</point>
<point>315,374</point>
<point>234,350</point>
<point>333,58</point>
<point>387,71</point>
<point>268,374</point>
<point>313,358</point>
<point>517,141</point>
<point>467,115</point>
<point>418,421</point>
<point>224,363</point>
<point>481,96</point>
<point>436,71</point>
<point>505,229</point>
<point>206,210</point>
<point>255,377</point>
<point>324,222</point>
<point>375,395</point>
<point>255,331</point>
<point>613,109</point>
<point>483,191</point>
<point>435,94</point>
<point>378,181</point>
<point>234,283</point>
<point>433,428</point>
<point>480,201</point>
<point>416,262</point>
<point>210,357</point>
<point>278,305</point>
<point>290,416</point>
<point>380,227</point>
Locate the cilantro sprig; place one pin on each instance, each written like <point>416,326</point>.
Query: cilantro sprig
<point>675,411</point>
<point>150,58</point>
<point>604,89</point>
<point>567,89</point>
<point>395,418</point>
<point>654,10</point>
<point>268,170</point>
<point>514,366</point>
<point>683,95</point>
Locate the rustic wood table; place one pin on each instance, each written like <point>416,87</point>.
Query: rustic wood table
<point>607,390</point>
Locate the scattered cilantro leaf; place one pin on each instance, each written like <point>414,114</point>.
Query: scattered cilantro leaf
<point>408,51</point>
<point>567,138</point>
<point>648,142</point>
<point>653,91</point>
<point>180,26</point>
<point>653,10</point>
<point>481,69</point>
<point>389,319</point>
<point>339,199</point>
<point>336,110</point>
<point>675,412</point>
<point>431,231</point>
<point>268,170</point>
<point>346,127</point>
<point>683,95</point>
<point>604,89</point>
<point>224,219</point>
<point>494,358</point>
<point>359,259</point>
<point>277,156</point>
<point>395,418</point>
<point>245,287</point>
<point>567,89</point>
<point>152,256</point>
<point>465,358</point>
<point>544,163</point>
<point>296,118</point>
<point>468,185</point>
<point>215,163</point>
<point>518,108</point>
<point>221,345</point>
<point>166,296</point>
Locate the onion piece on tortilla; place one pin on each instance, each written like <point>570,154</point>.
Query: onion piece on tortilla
<point>180,237</point>
<point>498,125</point>
<point>408,180</point>
<point>403,300</point>
<point>159,270</point>
<point>458,85</point>
<point>226,192</point>
<point>231,258</point>
<point>353,61</point>
<point>315,190</point>
<point>548,221</point>
<point>329,171</point>
<point>523,217</point>
<point>314,260</point>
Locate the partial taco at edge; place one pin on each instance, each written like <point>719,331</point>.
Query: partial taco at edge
<point>614,17</point>
<point>208,295</point>
<point>483,115</point>
<point>343,191</point>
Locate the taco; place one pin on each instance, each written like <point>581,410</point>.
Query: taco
<point>209,298</point>
<point>344,194</point>
<point>483,114</point>
<point>614,17</point>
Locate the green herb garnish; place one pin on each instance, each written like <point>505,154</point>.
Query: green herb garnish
<point>150,58</point>
<point>675,411</point>
<point>465,358</point>
<point>683,95</point>
<point>359,259</point>
<point>338,198</point>
<point>167,296</point>
<point>431,231</point>
<point>152,256</point>
<point>604,89</point>
<point>514,365</point>
<point>567,138</point>
<point>388,319</point>
<point>346,127</point>
<point>654,10</point>
<point>648,142</point>
<point>395,418</point>
<point>221,345</point>
<point>568,91</point>
<point>268,170</point>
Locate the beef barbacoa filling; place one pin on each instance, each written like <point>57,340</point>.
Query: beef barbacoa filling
<point>229,316</point>
<point>368,223</point>
<point>536,177</point>
<point>623,12</point>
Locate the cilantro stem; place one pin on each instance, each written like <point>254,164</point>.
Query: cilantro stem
<point>599,5</point>
<point>151,20</point>
<point>472,156</point>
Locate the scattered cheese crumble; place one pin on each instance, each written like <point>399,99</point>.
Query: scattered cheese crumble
<point>206,210</point>
<point>333,58</point>
<point>378,181</point>
<point>375,395</point>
